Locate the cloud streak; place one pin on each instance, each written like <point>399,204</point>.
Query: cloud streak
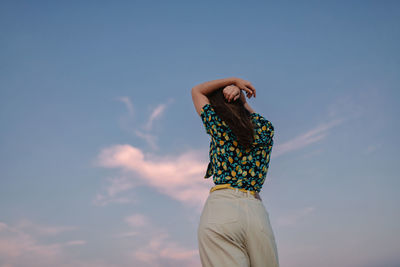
<point>128,104</point>
<point>158,250</point>
<point>43,230</point>
<point>115,187</point>
<point>175,176</point>
<point>20,247</point>
<point>157,113</point>
<point>149,138</point>
<point>312,136</point>
<point>343,109</point>
<point>145,131</point>
<point>294,217</point>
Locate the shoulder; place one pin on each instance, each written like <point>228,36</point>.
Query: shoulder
<point>259,118</point>
<point>213,123</point>
<point>207,112</point>
<point>206,107</point>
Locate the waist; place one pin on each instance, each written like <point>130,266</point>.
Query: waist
<point>228,186</point>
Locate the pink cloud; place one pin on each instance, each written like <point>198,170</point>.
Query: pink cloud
<point>75,243</point>
<point>41,229</point>
<point>159,249</point>
<point>18,247</point>
<point>137,220</point>
<point>116,186</point>
<point>180,177</point>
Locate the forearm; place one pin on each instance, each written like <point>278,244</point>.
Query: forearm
<point>210,86</point>
<point>247,106</point>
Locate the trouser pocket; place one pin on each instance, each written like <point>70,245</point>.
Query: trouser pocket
<point>221,211</point>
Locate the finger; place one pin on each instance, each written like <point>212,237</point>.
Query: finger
<point>248,93</point>
<point>252,90</point>
<point>234,97</point>
<point>247,90</point>
<point>251,87</point>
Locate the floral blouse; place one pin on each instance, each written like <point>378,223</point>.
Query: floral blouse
<point>229,162</point>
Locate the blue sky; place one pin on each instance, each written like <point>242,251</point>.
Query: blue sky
<point>103,155</point>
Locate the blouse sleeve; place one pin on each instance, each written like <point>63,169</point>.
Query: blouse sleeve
<point>212,123</point>
<point>264,129</point>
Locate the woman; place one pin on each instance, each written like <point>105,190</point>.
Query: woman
<point>234,228</point>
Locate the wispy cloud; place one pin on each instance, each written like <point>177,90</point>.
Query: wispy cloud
<point>137,220</point>
<point>174,176</point>
<point>157,113</point>
<point>292,218</point>
<point>113,189</point>
<point>159,249</point>
<point>20,247</point>
<point>41,229</point>
<point>128,104</point>
<point>75,242</point>
<point>103,200</point>
<point>159,252</point>
<point>342,109</point>
<point>149,138</point>
<point>145,131</point>
<point>314,135</point>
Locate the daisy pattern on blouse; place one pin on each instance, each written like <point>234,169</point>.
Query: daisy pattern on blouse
<point>229,162</point>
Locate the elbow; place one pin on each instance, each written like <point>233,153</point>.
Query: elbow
<point>198,90</point>
<point>195,90</point>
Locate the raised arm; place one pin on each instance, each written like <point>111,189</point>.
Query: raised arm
<point>200,91</point>
<point>246,105</point>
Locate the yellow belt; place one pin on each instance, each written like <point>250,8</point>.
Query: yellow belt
<point>220,186</point>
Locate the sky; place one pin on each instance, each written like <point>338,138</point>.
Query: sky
<point>103,155</point>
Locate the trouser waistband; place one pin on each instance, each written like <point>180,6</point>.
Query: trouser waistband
<point>228,186</point>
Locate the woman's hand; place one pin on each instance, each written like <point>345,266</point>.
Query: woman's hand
<point>246,86</point>
<point>231,92</point>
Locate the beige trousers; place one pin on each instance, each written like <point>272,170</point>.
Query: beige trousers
<point>235,230</point>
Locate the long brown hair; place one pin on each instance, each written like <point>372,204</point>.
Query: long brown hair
<point>235,115</point>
